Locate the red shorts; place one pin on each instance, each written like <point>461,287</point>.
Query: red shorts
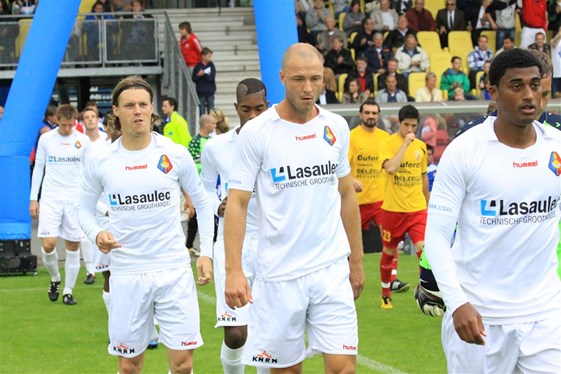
<point>396,224</point>
<point>370,212</point>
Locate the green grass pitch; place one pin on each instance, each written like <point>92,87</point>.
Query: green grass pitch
<point>39,336</point>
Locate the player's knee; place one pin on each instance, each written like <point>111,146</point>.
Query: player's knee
<point>340,364</point>
<point>389,251</point>
<point>183,367</point>
<point>127,366</point>
<point>235,336</point>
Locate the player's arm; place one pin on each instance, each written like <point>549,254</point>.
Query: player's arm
<point>37,178</point>
<point>350,216</point>
<point>392,165</point>
<point>237,290</point>
<point>209,175</point>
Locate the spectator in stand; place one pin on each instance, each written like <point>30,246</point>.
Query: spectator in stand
<point>316,19</point>
<point>222,124</point>
<point>402,83</point>
<point>391,94</point>
<point>505,13</point>
<point>419,18</point>
<point>449,19</point>
<point>24,7</point>
<point>556,61</point>
<point>480,18</point>
<point>365,37</point>
<point>459,94</point>
<point>327,96</point>
<point>175,126</point>
<point>508,43</point>
<point>401,6</point>
<point>431,168</point>
<point>428,131</point>
<point>377,56</point>
<point>484,94</point>
<point>138,32</point>
<point>191,46</point>
<point>91,27</point>
<point>534,20</point>
<point>396,38</point>
<point>481,82</point>
<point>554,15</point>
<point>353,19</point>
<point>453,78</point>
<point>411,57</point>
<point>429,93</point>
<point>339,58</point>
<point>204,76</point>
<point>540,44</point>
<point>304,35</point>
<point>365,79</point>
<point>9,29</point>
<point>385,18</point>
<point>325,38</point>
<point>353,94</point>
<point>477,58</point>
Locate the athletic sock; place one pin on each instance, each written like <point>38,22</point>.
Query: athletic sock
<point>394,266</point>
<point>419,253</point>
<point>87,253</point>
<point>386,273</point>
<point>71,269</point>
<point>107,300</point>
<point>231,359</point>
<point>50,261</point>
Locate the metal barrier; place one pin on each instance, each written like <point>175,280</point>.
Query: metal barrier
<point>99,42</point>
<point>177,81</point>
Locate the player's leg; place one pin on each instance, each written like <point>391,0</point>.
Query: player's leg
<point>332,319</point>
<point>87,249</point>
<point>177,312</point>
<point>393,224</point>
<point>50,261</point>
<point>131,365</point>
<point>73,235</point>
<point>540,347</point>
<point>48,230</point>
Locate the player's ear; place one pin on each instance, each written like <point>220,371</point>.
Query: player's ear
<point>494,93</point>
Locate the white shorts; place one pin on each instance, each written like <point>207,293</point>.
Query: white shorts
<point>101,261</point>
<point>225,316</point>
<point>320,303</point>
<point>58,220</point>
<point>533,347</point>
<point>169,296</point>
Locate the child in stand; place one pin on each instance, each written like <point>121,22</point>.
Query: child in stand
<point>204,76</point>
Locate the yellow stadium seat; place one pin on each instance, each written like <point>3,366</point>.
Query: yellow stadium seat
<point>429,41</point>
<point>341,85</point>
<point>352,37</point>
<point>85,7</point>
<point>459,42</point>
<point>416,81</point>
<point>476,88</point>
<point>439,63</point>
<point>434,6</point>
<point>375,78</point>
<point>517,29</point>
<point>342,20</point>
<point>492,36</point>
<point>24,25</point>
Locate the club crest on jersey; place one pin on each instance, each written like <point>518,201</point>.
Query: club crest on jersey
<point>78,145</point>
<point>555,163</point>
<point>165,164</point>
<point>329,136</point>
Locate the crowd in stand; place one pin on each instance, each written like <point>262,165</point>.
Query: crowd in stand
<point>367,42</point>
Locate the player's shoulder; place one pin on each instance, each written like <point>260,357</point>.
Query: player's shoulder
<point>337,120</point>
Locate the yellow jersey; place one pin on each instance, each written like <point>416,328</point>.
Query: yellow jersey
<point>404,189</point>
<point>366,165</point>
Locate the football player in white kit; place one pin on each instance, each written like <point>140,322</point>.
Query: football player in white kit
<point>59,165</point>
<point>501,182</point>
<point>217,162</point>
<point>309,264</point>
<point>142,175</point>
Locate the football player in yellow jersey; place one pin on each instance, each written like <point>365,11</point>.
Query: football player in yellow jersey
<point>406,193</point>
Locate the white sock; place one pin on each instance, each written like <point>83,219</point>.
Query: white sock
<point>87,253</point>
<point>231,359</point>
<point>71,269</point>
<point>107,300</point>
<point>50,261</point>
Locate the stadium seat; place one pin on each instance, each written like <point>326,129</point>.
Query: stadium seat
<point>24,25</point>
<point>476,88</point>
<point>415,81</point>
<point>492,36</point>
<point>429,41</point>
<point>439,63</point>
<point>342,20</point>
<point>375,79</point>
<point>433,6</point>
<point>459,42</point>
<point>517,29</point>
<point>341,85</point>
<point>352,37</point>
<point>85,7</point>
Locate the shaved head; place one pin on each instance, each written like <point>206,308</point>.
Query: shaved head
<point>250,86</point>
<point>302,50</point>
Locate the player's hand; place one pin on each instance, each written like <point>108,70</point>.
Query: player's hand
<point>430,302</point>
<point>409,138</point>
<point>237,291</point>
<point>469,324</point>
<point>34,208</point>
<point>189,208</point>
<point>106,242</point>
<point>357,185</point>
<point>222,207</point>
<point>356,275</point>
<point>204,270</point>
